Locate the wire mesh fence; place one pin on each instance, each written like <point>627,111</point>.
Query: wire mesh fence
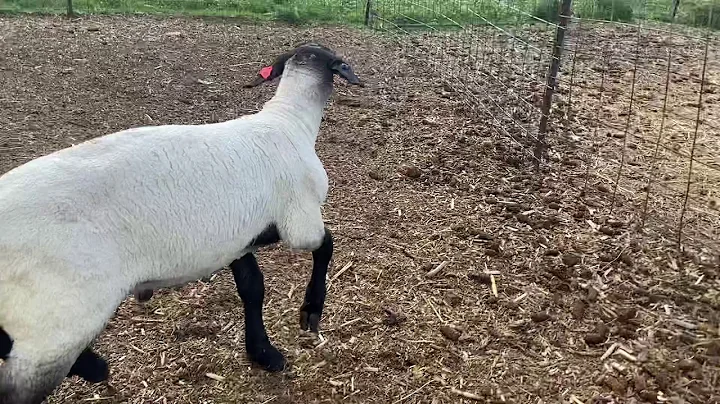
<point>624,103</point>
<point>638,100</point>
<point>631,103</point>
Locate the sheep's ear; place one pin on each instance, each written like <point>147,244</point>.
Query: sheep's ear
<point>267,73</point>
<point>344,70</point>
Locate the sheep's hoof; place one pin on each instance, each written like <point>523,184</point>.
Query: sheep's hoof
<point>309,321</point>
<point>143,295</point>
<point>267,357</point>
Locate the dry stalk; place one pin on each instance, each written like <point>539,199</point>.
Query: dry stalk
<point>466,394</point>
<point>437,269</point>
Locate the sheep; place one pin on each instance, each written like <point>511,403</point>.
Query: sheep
<point>154,207</point>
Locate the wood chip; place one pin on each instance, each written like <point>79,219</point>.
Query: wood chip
<point>353,321</point>
<point>575,400</point>
<point>699,279</point>
<point>519,298</point>
<point>227,327</point>
<point>412,393</point>
<point>96,397</point>
<point>465,394</point>
<point>146,320</point>
<point>609,352</point>
<point>626,355</point>
<point>437,269</point>
<point>138,349</point>
<point>341,271</point>
<point>684,324</point>
<point>620,368</point>
<point>214,377</point>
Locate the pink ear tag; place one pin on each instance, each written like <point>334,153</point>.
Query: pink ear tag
<point>265,72</point>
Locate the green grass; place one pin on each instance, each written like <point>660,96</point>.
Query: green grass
<point>291,11</point>
<point>611,10</point>
<point>406,13</point>
<point>701,13</point>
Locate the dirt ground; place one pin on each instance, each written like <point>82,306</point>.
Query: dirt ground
<point>535,298</point>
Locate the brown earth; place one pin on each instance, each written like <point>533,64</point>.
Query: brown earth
<point>418,181</point>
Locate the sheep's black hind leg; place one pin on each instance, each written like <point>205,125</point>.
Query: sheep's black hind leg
<point>251,288</point>
<point>312,307</point>
<point>6,344</point>
<point>143,296</point>
<point>90,366</point>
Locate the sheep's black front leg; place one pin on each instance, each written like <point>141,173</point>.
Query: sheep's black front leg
<point>90,366</point>
<point>312,307</point>
<point>251,288</point>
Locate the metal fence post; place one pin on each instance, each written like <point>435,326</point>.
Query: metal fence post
<point>564,19</point>
<point>368,5</point>
<point>674,10</point>
<point>70,11</point>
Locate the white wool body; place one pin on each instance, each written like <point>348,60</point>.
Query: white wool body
<point>151,207</point>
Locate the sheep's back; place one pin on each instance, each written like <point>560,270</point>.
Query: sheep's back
<point>156,201</point>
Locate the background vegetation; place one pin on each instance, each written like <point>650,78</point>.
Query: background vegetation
<point>401,12</point>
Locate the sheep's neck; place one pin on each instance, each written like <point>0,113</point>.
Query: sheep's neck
<point>301,101</point>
